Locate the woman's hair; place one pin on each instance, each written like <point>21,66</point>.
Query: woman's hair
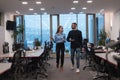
<point>58,29</point>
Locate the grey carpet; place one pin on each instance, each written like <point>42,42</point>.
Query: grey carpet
<point>68,74</point>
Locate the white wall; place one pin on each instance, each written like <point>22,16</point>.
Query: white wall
<point>2,38</point>
<point>5,34</point>
<point>116,25</point>
<point>112,24</point>
<point>8,34</point>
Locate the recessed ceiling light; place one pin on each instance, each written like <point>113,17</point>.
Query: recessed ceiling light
<point>71,13</point>
<point>84,8</point>
<point>73,8</point>
<point>24,2</point>
<point>75,1</point>
<point>31,9</point>
<point>89,1</point>
<point>38,2</point>
<point>42,9</point>
<point>35,13</point>
<point>45,13</point>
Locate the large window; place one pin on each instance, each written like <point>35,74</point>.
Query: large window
<point>19,23</point>
<point>82,24</point>
<point>91,28</point>
<point>100,24</point>
<point>32,29</point>
<point>54,24</point>
<point>45,28</point>
<point>66,20</point>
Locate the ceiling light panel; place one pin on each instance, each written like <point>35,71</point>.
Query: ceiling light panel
<point>42,9</point>
<point>75,1</point>
<point>73,8</point>
<point>24,2</point>
<point>31,9</point>
<point>84,8</point>
<point>89,1</point>
<point>38,2</point>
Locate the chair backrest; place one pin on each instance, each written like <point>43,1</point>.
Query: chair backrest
<point>17,56</point>
<point>6,47</point>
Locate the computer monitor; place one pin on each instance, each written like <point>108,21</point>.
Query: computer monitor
<point>10,25</point>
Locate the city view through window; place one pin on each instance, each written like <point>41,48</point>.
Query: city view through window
<point>38,26</point>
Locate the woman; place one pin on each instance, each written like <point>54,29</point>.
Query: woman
<point>59,39</point>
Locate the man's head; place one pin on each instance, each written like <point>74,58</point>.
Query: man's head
<point>74,26</point>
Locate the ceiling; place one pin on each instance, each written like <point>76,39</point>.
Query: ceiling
<point>59,6</point>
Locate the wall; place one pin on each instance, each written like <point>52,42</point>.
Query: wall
<point>112,24</point>
<point>8,34</point>
<point>116,25</point>
<point>2,38</point>
<point>108,22</point>
<point>5,34</point>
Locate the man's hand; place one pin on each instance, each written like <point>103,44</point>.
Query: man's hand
<point>71,40</point>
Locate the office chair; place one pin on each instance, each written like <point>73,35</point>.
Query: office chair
<point>89,56</point>
<point>117,58</point>
<point>6,47</point>
<point>101,68</point>
<point>18,64</point>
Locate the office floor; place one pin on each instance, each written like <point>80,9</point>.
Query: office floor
<point>67,74</point>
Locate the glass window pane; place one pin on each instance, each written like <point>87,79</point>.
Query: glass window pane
<point>54,27</point>
<point>82,24</point>
<point>45,28</point>
<point>32,29</point>
<point>18,20</point>
<point>100,24</point>
<point>54,24</point>
<point>91,28</point>
<point>66,20</point>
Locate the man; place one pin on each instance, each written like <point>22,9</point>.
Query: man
<point>75,38</point>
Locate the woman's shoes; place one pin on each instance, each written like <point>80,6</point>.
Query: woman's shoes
<point>57,65</point>
<point>61,69</point>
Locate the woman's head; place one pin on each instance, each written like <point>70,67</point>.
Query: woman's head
<point>59,29</point>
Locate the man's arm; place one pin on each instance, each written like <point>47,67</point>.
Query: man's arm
<point>80,38</point>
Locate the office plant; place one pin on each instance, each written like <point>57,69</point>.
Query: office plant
<point>67,51</point>
<point>18,33</point>
<point>102,38</point>
<point>37,43</point>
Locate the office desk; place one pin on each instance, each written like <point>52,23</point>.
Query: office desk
<point>34,53</point>
<point>4,67</point>
<point>99,51</point>
<point>110,57</point>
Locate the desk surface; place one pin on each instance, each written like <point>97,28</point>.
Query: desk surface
<point>4,67</point>
<point>33,53</point>
<point>110,57</point>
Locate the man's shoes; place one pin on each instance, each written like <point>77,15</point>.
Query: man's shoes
<point>77,70</point>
